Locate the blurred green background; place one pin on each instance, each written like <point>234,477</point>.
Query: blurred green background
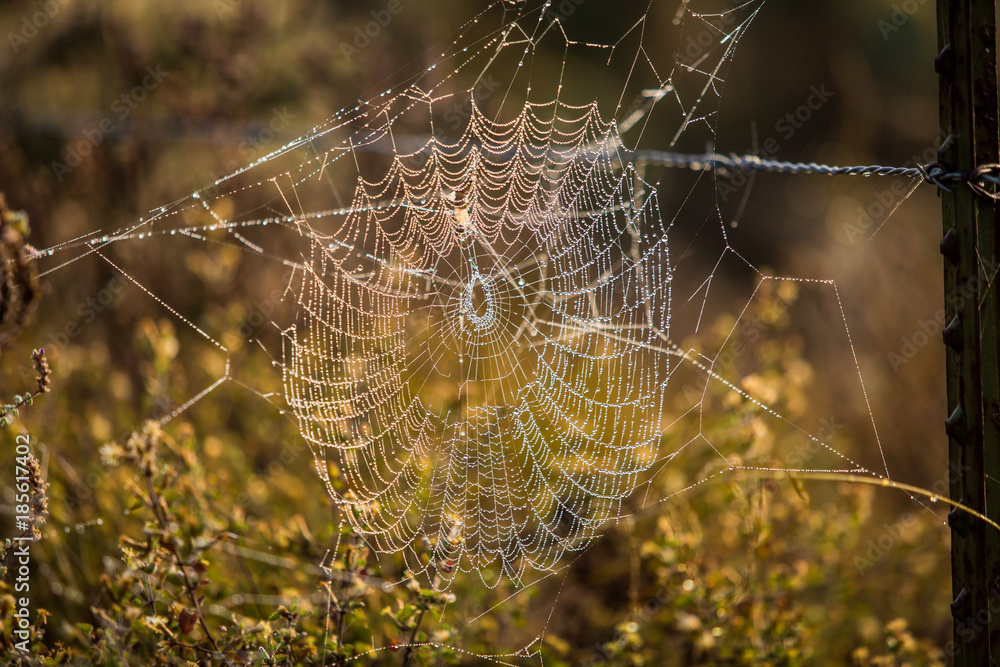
<point>740,571</point>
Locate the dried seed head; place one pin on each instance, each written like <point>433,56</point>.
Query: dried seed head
<point>39,495</point>
<point>40,502</point>
<point>42,369</point>
<point>111,454</point>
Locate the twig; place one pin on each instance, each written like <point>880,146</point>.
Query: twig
<point>155,499</point>
<point>413,635</point>
<point>44,380</point>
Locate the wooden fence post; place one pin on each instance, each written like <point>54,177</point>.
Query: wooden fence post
<point>967,65</point>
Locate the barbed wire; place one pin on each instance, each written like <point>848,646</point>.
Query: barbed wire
<point>984,180</point>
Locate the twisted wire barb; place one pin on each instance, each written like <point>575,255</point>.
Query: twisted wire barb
<point>984,180</point>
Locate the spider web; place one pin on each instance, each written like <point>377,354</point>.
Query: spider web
<point>473,342</point>
<point>482,289</point>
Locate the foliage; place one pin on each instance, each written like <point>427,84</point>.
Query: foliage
<point>156,596</point>
<point>187,562</point>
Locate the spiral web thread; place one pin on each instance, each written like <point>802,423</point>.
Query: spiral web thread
<point>481,354</point>
<point>500,317</point>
